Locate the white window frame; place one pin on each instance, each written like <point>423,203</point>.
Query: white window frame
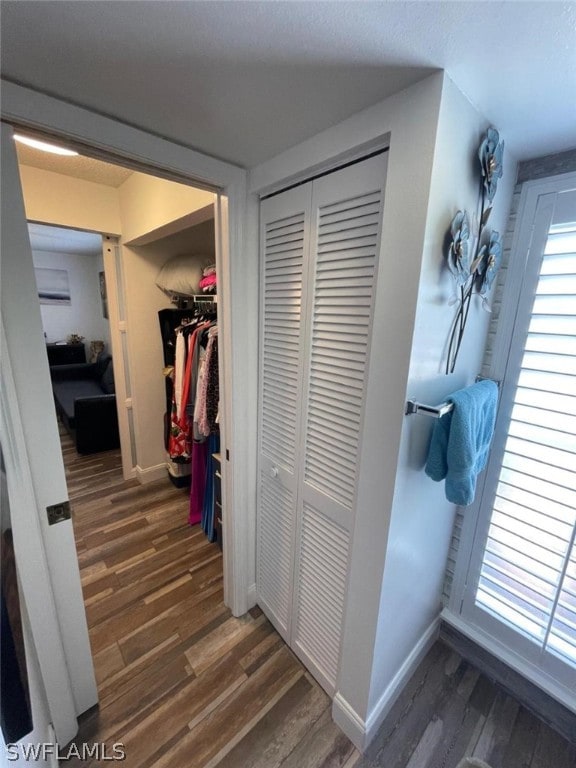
<point>519,270</point>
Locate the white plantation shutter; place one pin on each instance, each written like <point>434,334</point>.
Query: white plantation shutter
<point>528,577</point>
<point>526,588</point>
<point>319,253</point>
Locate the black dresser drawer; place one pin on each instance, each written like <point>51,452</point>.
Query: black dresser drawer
<point>66,354</point>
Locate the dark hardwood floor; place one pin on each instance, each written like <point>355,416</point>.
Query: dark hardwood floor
<point>182,683</point>
<point>449,710</point>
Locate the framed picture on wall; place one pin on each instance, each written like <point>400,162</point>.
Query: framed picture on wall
<point>103,294</point>
<point>53,286</point>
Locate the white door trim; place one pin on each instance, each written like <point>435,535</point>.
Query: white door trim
<point>35,582</point>
<point>237,268</point>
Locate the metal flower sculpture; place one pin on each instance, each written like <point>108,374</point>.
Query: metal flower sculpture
<point>480,269</point>
<point>458,259</point>
<point>491,156</point>
<point>489,265</point>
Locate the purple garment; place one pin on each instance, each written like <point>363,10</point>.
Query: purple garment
<point>198,484</point>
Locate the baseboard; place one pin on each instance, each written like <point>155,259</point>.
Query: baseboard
<point>396,685</point>
<point>362,732</point>
<point>251,596</point>
<point>349,721</point>
<point>150,474</point>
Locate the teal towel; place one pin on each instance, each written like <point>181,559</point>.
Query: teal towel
<point>461,441</point>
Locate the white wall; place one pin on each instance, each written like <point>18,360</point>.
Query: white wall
<point>421,518</point>
<point>410,119</point>
<point>53,198</point>
<point>84,315</point>
<point>148,204</point>
<point>402,521</point>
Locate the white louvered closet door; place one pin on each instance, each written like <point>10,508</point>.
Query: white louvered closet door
<point>319,251</point>
<point>284,238</point>
<point>345,236</point>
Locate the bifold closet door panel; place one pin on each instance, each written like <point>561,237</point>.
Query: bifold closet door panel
<point>284,238</point>
<point>344,243</point>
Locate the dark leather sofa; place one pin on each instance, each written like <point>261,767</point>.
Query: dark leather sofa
<point>86,402</point>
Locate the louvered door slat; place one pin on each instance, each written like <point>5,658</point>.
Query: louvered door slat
<point>326,368</point>
<point>276,524</point>
<point>284,241</point>
<point>317,287</point>
<point>323,558</point>
<point>346,212</point>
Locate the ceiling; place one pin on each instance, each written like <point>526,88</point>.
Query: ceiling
<point>61,240</point>
<point>245,80</point>
<point>79,166</point>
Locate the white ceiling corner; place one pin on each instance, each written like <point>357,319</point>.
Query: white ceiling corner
<point>80,166</point>
<point>244,81</point>
<point>45,238</point>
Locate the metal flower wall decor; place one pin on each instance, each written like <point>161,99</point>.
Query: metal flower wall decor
<point>475,252</point>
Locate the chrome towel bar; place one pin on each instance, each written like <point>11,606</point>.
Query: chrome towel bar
<point>437,411</point>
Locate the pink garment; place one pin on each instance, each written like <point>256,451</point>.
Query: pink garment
<point>198,484</point>
<point>207,282</point>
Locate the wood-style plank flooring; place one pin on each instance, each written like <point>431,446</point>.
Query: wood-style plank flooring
<point>181,681</point>
<point>449,711</point>
<point>184,684</point>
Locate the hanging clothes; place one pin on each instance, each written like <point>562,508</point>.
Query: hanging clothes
<point>179,435</point>
<point>205,413</point>
<point>208,522</point>
<point>198,484</point>
<point>179,443</point>
<point>209,391</point>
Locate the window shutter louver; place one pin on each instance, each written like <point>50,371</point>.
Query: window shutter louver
<point>528,572</point>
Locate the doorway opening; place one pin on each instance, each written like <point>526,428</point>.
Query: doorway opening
<point>133,257</point>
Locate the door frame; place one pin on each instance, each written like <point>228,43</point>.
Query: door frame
<point>35,583</point>
<point>237,263</point>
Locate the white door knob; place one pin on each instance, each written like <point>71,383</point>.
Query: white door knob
<point>274,472</point>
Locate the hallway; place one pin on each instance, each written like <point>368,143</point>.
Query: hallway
<point>181,681</point>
